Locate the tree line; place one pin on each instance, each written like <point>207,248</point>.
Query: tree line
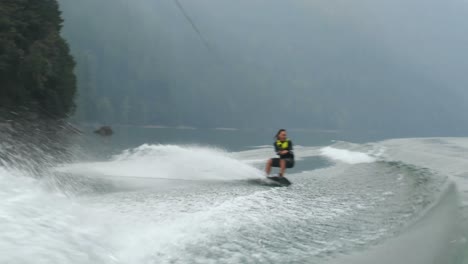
<point>36,68</point>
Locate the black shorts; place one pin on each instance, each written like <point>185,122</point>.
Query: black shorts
<point>275,162</point>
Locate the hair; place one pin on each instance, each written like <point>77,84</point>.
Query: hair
<point>279,132</point>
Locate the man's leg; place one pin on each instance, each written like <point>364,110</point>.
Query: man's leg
<point>282,167</point>
<point>268,167</point>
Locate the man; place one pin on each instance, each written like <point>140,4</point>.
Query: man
<point>283,148</point>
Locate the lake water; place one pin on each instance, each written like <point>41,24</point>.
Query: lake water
<point>167,195</point>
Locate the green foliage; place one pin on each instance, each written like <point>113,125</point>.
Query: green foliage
<point>36,69</point>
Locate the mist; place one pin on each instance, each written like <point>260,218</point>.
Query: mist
<point>143,131</point>
<point>363,65</point>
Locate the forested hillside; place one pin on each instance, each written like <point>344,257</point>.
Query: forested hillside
<point>288,64</point>
<point>36,69</point>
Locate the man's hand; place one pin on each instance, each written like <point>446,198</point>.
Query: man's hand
<point>283,152</point>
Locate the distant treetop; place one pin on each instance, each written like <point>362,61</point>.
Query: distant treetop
<point>36,68</point>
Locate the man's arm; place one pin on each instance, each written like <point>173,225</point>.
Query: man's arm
<point>277,149</point>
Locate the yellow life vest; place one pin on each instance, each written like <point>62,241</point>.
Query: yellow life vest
<point>283,145</point>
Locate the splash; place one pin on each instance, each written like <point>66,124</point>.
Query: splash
<point>169,162</point>
<point>346,156</point>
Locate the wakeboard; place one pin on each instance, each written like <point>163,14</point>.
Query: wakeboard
<point>283,181</point>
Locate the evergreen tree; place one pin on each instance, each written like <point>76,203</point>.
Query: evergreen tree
<point>36,68</point>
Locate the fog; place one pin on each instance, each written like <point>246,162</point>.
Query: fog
<point>336,64</point>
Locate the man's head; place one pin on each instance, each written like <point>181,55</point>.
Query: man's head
<point>281,135</point>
